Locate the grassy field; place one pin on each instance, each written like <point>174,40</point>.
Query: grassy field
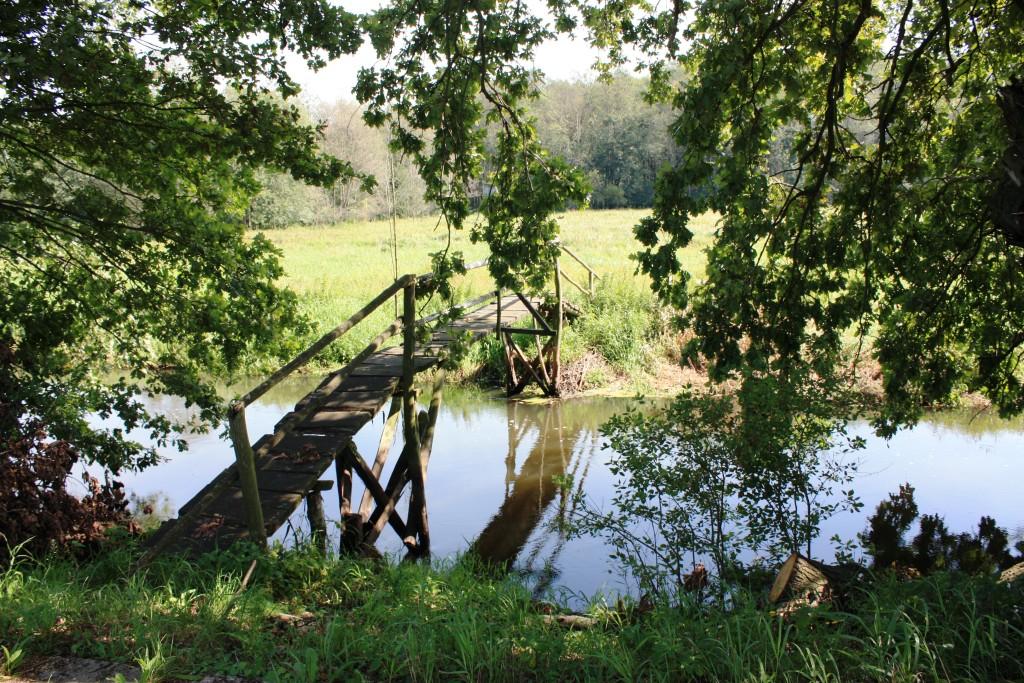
<point>307,618</point>
<point>349,262</point>
<point>335,269</point>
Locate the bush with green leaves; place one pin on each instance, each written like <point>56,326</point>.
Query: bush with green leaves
<point>622,322</point>
<point>718,477</point>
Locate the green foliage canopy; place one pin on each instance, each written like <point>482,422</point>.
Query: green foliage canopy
<point>130,133</point>
<point>447,69</point>
<point>702,480</point>
<point>882,223</point>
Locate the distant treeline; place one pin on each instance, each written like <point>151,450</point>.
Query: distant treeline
<point>607,129</point>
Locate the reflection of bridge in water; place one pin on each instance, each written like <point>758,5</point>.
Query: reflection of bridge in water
<point>556,453</point>
<point>257,495</point>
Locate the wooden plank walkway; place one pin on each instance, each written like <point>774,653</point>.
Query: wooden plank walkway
<point>292,467</point>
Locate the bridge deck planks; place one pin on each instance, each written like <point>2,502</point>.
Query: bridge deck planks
<point>290,468</point>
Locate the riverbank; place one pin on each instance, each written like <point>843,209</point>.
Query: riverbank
<point>624,343</point>
<point>303,617</point>
<point>622,340</point>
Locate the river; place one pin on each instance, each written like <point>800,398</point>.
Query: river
<point>490,474</point>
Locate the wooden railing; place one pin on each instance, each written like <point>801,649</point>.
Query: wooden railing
<point>245,457</point>
<point>591,273</point>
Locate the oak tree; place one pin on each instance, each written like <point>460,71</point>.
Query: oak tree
<point>130,133</point>
<point>895,229</point>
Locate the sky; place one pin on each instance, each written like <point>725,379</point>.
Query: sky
<point>565,58</point>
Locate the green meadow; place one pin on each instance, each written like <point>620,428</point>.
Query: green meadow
<point>335,269</point>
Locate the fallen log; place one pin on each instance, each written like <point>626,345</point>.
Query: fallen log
<point>805,582</point>
<point>573,622</point>
<point>1012,574</point>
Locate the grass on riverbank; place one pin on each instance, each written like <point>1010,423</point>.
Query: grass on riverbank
<point>336,269</point>
<point>406,622</point>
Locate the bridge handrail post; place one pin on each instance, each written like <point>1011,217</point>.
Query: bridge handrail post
<point>410,427</point>
<point>246,462</point>
<point>497,324</point>
<point>408,335</point>
<point>556,372</point>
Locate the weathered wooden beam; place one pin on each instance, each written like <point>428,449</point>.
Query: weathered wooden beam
<point>427,437</point>
<point>410,422</point>
<point>510,366</point>
<point>580,261</point>
<point>483,298</point>
<point>374,488</point>
<point>419,523</point>
<point>317,519</point>
<point>529,366</point>
<point>556,372</point>
<point>387,438</point>
<point>324,341</point>
<point>576,284</point>
<point>497,322</point>
<point>416,504</point>
<point>344,473</point>
<point>396,484</point>
<point>530,331</point>
<point>542,366</point>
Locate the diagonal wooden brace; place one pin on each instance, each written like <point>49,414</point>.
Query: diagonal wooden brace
<point>366,475</point>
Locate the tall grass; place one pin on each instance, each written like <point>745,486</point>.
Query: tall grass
<point>336,269</point>
<point>382,621</point>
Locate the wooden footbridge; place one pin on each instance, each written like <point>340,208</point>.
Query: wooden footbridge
<point>260,491</point>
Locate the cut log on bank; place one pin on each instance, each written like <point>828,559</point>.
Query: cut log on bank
<point>573,622</point>
<point>1012,574</point>
<point>805,582</point>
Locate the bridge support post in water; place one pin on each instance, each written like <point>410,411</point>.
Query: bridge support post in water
<point>410,426</point>
<point>315,513</point>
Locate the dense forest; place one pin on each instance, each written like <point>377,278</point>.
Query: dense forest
<point>605,127</point>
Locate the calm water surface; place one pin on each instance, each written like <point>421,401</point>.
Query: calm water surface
<point>490,477</point>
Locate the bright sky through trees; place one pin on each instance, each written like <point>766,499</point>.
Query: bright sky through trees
<point>564,58</point>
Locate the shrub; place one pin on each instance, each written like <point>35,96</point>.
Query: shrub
<point>37,512</point>
<point>715,475</point>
